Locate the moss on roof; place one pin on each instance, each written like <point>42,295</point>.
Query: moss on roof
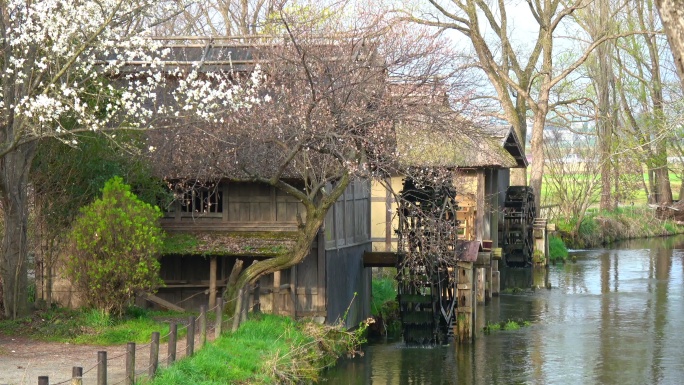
<point>257,244</point>
<point>426,148</point>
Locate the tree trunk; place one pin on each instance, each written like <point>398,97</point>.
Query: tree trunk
<point>672,15</point>
<point>14,174</point>
<point>651,191</point>
<point>316,209</point>
<point>305,237</point>
<point>537,147</point>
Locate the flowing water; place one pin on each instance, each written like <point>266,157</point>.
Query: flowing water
<point>615,316</point>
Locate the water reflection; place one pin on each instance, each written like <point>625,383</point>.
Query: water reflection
<point>611,318</point>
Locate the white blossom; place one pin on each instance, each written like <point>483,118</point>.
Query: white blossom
<point>75,53</point>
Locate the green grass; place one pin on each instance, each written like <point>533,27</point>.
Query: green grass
<point>384,305</point>
<point>505,325</point>
<point>89,326</point>
<point>384,290</point>
<point>265,350</point>
<point>557,249</point>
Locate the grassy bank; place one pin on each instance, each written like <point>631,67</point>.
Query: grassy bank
<point>90,326</point>
<point>265,350</point>
<point>600,227</point>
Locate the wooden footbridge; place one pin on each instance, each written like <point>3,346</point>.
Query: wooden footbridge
<point>443,274</point>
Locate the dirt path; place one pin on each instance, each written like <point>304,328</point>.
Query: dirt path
<point>23,360</point>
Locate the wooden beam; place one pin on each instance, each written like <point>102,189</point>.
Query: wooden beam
<point>380,259</point>
<point>161,302</point>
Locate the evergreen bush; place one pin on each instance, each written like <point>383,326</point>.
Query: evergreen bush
<point>114,245</point>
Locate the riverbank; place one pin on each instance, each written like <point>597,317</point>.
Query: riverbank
<point>266,349</point>
<point>601,228</point>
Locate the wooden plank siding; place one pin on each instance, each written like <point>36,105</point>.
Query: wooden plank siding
<point>348,221</point>
<point>245,207</point>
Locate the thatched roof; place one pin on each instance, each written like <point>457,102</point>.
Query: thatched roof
<point>477,148</point>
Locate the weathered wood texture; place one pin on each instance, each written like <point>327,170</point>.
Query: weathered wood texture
<point>480,285</point>
<point>380,259</point>
<point>241,207</point>
<point>347,276</point>
<point>348,221</point>
<point>464,318</point>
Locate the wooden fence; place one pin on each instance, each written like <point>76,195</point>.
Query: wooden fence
<point>131,376</point>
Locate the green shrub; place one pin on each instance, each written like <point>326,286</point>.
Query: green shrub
<point>114,243</point>
<point>557,249</point>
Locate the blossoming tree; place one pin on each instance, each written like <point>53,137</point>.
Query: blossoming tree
<point>66,70</point>
<point>337,91</point>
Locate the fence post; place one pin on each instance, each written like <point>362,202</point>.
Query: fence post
<point>130,363</point>
<point>101,368</point>
<point>43,380</point>
<point>219,317</point>
<point>190,346</point>
<point>154,354</point>
<point>76,375</point>
<point>203,326</point>
<point>173,335</point>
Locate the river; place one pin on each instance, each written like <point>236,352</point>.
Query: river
<point>614,316</point>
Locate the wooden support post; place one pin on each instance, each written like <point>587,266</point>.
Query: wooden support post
<point>212,281</point>
<point>480,285</point>
<point>488,283</point>
<point>130,363</point>
<point>219,318</point>
<point>293,290</point>
<point>496,278</point>
<point>173,337</point>
<point>43,380</point>
<point>76,375</point>
<point>154,355</point>
<point>540,255</point>
<point>203,326</point>
<point>190,337</point>
<point>464,289</point>
<point>275,302</point>
<point>101,368</point>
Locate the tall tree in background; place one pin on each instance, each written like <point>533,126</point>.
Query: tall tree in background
<point>55,83</point>
<point>598,19</point>
<point>642,89</point>
<point>523,81</point>
<point>672,15</point>
<point>222,18</point>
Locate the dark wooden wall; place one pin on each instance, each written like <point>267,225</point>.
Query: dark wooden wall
<point>187,279</point>
<point>346,276</point>
<point>245,207</point>
<point>347,237</point>
<point>348,221</point>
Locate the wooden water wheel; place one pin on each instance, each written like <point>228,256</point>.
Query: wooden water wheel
<point>519,213</point>
<point>425,273</point>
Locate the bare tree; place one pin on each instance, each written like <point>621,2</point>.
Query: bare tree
<point>642,93</point>
<point>598,19</point>
<point>523,81</point>
<point>672,15</point>
<point>222,18</point>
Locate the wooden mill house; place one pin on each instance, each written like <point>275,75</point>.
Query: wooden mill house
<point>215,221</point>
